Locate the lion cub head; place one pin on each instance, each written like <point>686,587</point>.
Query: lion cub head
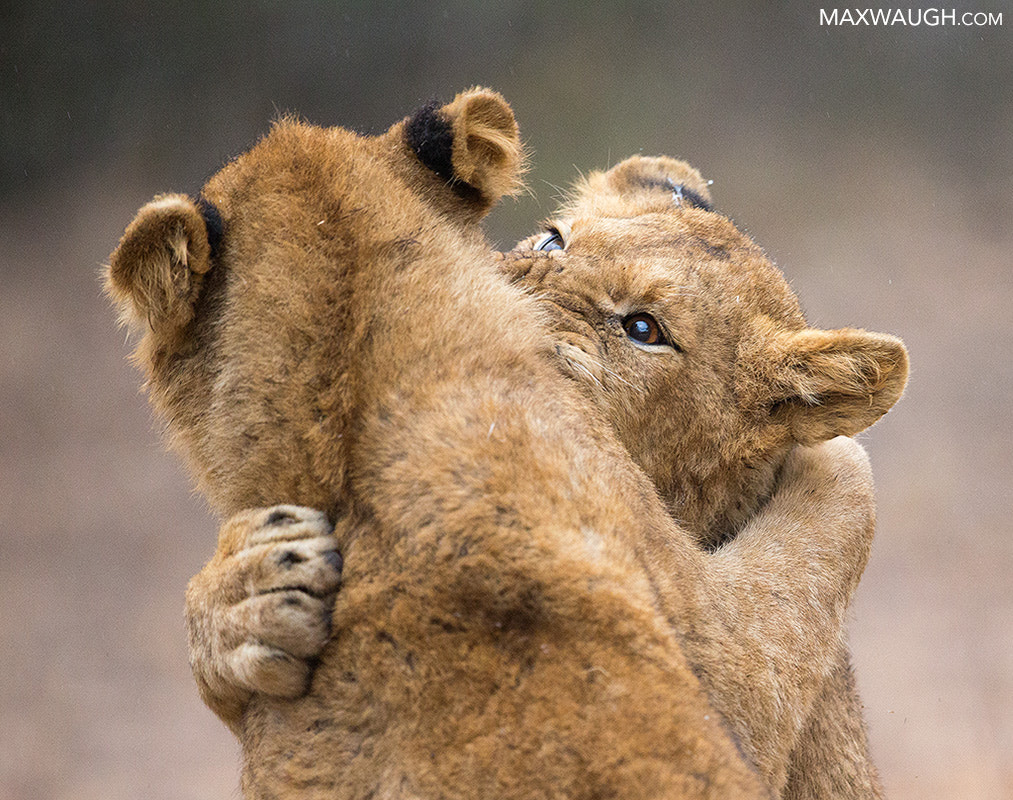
<point>691,341</point>
<point>257,301</point>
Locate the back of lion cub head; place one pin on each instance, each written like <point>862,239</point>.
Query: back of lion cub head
<point>228,290</point>
<point>692,342</point>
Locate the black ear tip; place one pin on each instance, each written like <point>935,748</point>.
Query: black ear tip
<point>682,195</point>
<point>213,222</point>
<point>685,195</point>
<point>430,135</point>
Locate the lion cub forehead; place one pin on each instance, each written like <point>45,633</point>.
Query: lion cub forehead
<point>663,237</point>
<point>674,259</point>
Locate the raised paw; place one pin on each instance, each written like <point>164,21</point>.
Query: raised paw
<point>259,613</point>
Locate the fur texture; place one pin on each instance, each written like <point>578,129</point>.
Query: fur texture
<point>517,606</point>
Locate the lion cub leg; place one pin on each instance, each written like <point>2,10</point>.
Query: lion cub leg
<point>832,755</point>
<point>259,612</point>
<point>784,586</point>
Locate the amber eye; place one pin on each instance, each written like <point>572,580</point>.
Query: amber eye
<point>550,241</point>
<point>644,328</point>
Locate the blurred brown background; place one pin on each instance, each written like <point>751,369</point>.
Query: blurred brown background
<point>874,164</point>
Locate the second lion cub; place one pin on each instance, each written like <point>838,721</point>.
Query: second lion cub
<point>691,342</point>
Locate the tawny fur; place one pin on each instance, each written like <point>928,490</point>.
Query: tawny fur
<point>516,603</point>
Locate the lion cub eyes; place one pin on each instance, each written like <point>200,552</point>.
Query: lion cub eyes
<point>552,240</point>
<point>644,328</point>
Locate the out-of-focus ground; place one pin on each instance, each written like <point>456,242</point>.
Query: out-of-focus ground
<point>873,164</point>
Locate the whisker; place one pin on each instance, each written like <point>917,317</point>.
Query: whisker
<point>621,380</point>
<point>584,370</point>
<point>611,373</point>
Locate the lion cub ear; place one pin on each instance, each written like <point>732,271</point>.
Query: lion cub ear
<point>823,384</point>
<point>473,142</point>
<point>155,273</point>
<point>678,182</point>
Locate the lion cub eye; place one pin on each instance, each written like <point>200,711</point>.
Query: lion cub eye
<point>552,240</point>
<point>644,328</point>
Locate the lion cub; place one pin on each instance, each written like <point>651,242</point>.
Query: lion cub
<point>693,346</point>
<point>327,326</point>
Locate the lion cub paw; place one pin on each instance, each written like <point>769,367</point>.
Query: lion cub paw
<point>260,611</point>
